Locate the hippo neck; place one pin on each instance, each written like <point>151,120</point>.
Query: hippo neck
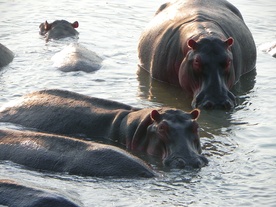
<point>134,124</point>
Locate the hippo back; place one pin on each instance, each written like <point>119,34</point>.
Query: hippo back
<point>177,22</point>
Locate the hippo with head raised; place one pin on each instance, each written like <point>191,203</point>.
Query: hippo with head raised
<point>201,46</point>
<point>58,29</point>
<point>167,133</point>
<point>6,55</point>
<point>44,151</point>
<point>14,194</point>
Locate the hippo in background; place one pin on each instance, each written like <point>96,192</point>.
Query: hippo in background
<point>14,194</point>
<point>204,47</point>
<point>166,133</point>
<point>58,29</point>
<point>269,48</point>
<point>75,57</point>
<point>6,55</point>
<point>49,152</point>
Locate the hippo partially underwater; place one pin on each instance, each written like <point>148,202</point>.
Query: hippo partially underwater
<point>14,194</point>
<point>6,55</point>
<point>170,134</point>
<point>54,153</point>
<point>201,46</point>
<point>58,29</point>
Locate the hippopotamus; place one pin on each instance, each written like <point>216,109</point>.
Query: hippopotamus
<point>75,57</point>
<point>14,194</point>
<point>166,133</point>
<point>6,55</point>
<point>50,152</point>
<point>269,48</point>
<point>58,29</point>
<point>201,46</point>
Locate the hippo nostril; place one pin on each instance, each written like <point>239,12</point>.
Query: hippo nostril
<point>208,105</point>
<point>227,105</point>
<point>175,163</point>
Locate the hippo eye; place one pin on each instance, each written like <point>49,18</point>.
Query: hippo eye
<point>227,65</point>
<point>163,127</point>
<point>197,63</point>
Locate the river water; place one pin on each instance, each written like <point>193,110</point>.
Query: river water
<point>240,145</point>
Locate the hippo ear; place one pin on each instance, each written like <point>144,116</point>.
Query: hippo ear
<point>229,42</point>
<point>75,24</point>
<point>155,115</point>
<point>195,113</point>
<point>47,26</point>
<point>192,44</point>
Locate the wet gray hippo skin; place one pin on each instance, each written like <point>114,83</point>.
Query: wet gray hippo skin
<point>75,57</point>
<point>58,29</point>
<point>167,133</point>
<point>6,55</point>
<point>14,194</point>
<point>43,151</point>
<point>202,46</point>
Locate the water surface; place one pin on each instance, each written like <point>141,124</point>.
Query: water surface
<point>240,144</point>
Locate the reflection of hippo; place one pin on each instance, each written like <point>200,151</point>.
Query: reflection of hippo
<point>63,154</point>
<point>13,194</point>
<point>202,46</point>
<point>75,57</point>
<point>167,133</point>
<point>58,29</point>
<point>6,55</point>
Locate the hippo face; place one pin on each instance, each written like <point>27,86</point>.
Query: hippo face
<point>173,135</point>
<point>58,29</point>
<point>208,73</point>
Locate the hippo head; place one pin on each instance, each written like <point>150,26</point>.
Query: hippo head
<point>207,72</point>
<point>172,135</point>
<point>58,29</point>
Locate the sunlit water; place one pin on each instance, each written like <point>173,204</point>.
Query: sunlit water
<point>240,144</point>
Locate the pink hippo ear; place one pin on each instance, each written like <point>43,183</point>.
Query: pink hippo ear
<point>47,26</point>
<point>229,42</point>
<point>192,44</point>
<point>75,24</point>
<point>195,113</point>
<point>155,115</point>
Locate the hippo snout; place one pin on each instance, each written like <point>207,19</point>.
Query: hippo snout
<point>178,162</point>
<point>209,102</point>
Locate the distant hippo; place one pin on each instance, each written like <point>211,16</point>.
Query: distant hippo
<point>58,29</point>
<point>64,154</point>
<point>14,194</point>
<point>202,46</point>
<point>269,48</point>
<point>167,133</point>
<point>6,55</point>
<point>76,57</point>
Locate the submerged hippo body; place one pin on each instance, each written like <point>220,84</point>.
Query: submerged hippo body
<point>76,57</point>
<point>58,29</point>
<point>55,153</point>
<point>202,46</point>
<point>6,55</point>
<point>164,132</point>
<point>14,194</point>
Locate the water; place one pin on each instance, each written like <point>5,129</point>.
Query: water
<point>240,145</point>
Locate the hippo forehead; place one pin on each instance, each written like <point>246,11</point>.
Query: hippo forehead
<point>174,115</point>
<point>60,22</point>
<point>211,45</point>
